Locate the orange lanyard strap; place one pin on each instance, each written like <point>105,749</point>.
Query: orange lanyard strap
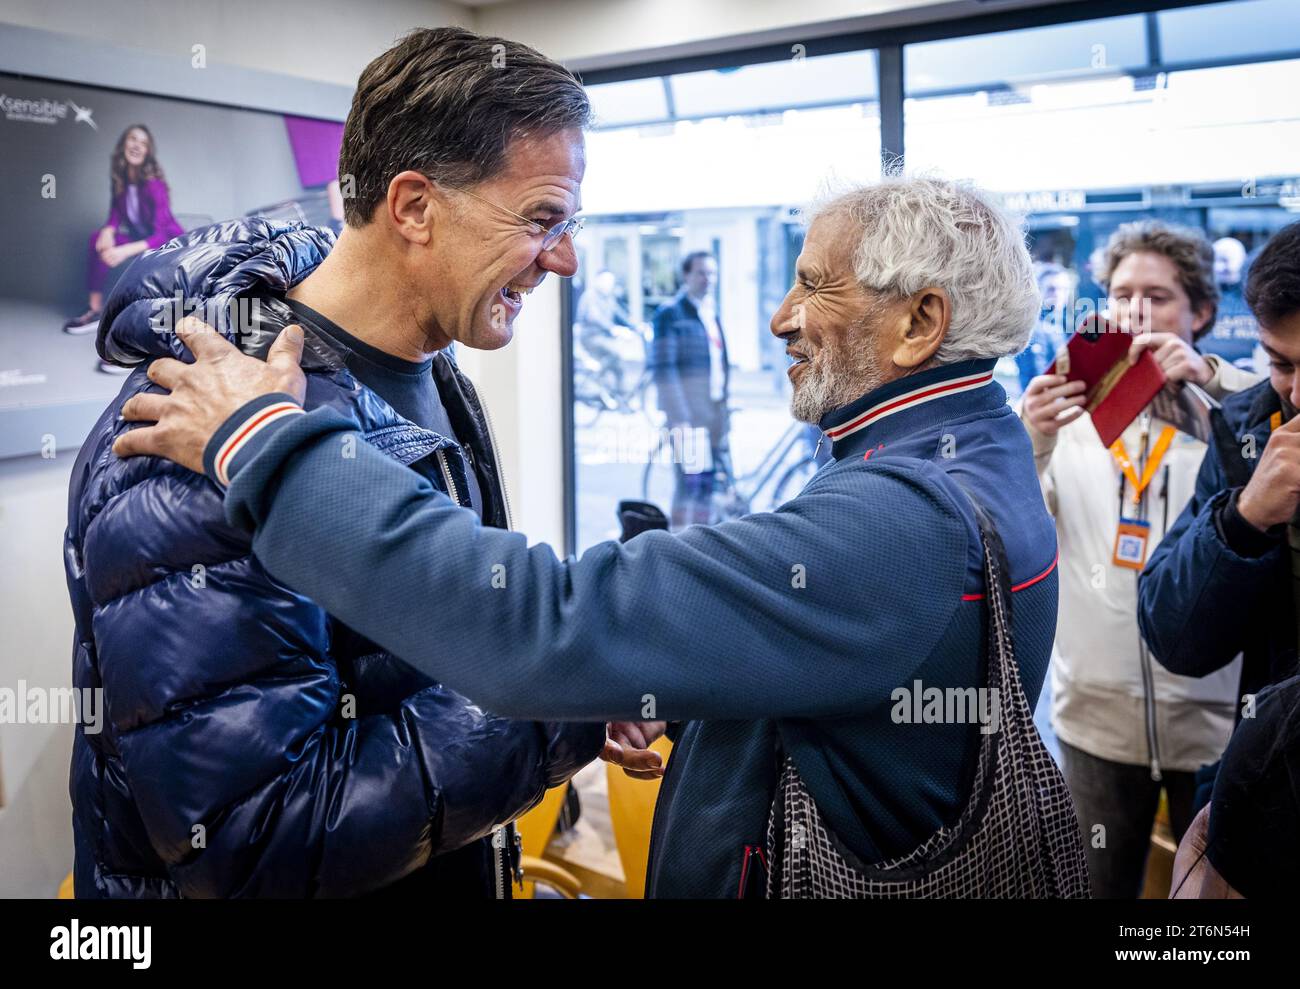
<point>1275,420</point>
<point>1120,454</point>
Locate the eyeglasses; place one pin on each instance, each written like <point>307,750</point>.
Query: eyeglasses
<point>550,235</point>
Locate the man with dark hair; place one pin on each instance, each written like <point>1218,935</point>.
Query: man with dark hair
<point>692,377</point>
<point>1219,583</point>
<point>1226,581</point>
<point>450,103</point>
<point>258,745</point>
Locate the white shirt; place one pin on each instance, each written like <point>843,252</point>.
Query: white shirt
<point>717,352</point>
<point>1098,695</point>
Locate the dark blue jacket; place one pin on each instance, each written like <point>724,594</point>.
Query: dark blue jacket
<point>786,630</point>
<point>1200,601</point>
<point>254,744</point>
<point>680,354</point>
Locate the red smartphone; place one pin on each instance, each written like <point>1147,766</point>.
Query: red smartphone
<point>1097,355</point>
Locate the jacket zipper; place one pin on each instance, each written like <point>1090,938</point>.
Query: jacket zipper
<point>499,837</point>
<point>505,846</point>
<point>499,850</point>
<point>446,475</point>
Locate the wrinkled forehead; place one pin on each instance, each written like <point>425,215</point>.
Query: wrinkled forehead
<point>832,240</point>
<point>552,165</point>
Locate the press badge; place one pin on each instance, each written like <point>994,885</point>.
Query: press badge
<point>1131,543</point>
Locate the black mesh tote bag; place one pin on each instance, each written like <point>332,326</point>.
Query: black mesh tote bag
<point>1017,835</point>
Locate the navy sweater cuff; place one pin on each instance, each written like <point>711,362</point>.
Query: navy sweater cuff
<point>1239,535</point>
<point>250,495</point>
<point>246,432</point>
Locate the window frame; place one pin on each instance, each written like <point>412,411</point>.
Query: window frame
<point>889,44</point>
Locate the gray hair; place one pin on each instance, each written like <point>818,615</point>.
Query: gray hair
<point>920,231</point>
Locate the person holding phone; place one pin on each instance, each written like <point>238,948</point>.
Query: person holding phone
<point>1128,728</point>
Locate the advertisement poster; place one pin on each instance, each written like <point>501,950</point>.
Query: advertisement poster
<point>89,179</point>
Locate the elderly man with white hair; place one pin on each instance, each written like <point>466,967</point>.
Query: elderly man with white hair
<point>848,679</point>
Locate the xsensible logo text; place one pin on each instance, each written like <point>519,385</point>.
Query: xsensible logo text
<point>33,111</point>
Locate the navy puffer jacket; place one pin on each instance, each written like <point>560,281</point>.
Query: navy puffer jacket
<point>252,744</point>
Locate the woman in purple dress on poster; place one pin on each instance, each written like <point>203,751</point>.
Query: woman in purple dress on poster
<point>139,219</point>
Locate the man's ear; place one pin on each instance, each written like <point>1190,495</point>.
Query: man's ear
<point>929,313</point>
<point>414,204</point>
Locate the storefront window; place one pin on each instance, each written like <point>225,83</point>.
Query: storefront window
<point>1086,126</point>
<point>1187,115</point>
<point>710,166</point>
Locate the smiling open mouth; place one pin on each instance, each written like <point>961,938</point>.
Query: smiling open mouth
<point>516,293</point>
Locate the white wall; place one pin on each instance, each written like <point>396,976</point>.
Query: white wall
<point>36,626</point>
<point>330,40</point>
<point>587,34</point>
<point>520,385</point>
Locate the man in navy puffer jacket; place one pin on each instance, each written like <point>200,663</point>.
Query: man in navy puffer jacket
<point>255,745</point>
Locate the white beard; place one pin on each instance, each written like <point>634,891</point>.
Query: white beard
<point>833,382</point>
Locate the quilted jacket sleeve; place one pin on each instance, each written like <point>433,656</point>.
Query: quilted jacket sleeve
<point>1198,600</point>
<point>255,768</point>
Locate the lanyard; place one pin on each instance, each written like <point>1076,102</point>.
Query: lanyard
<point>1120,454</point>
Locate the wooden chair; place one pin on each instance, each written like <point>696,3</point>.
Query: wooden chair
<point>631,811</point>
<point>535,831</point>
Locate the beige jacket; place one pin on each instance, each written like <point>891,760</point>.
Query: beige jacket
<point>1099,665</point>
